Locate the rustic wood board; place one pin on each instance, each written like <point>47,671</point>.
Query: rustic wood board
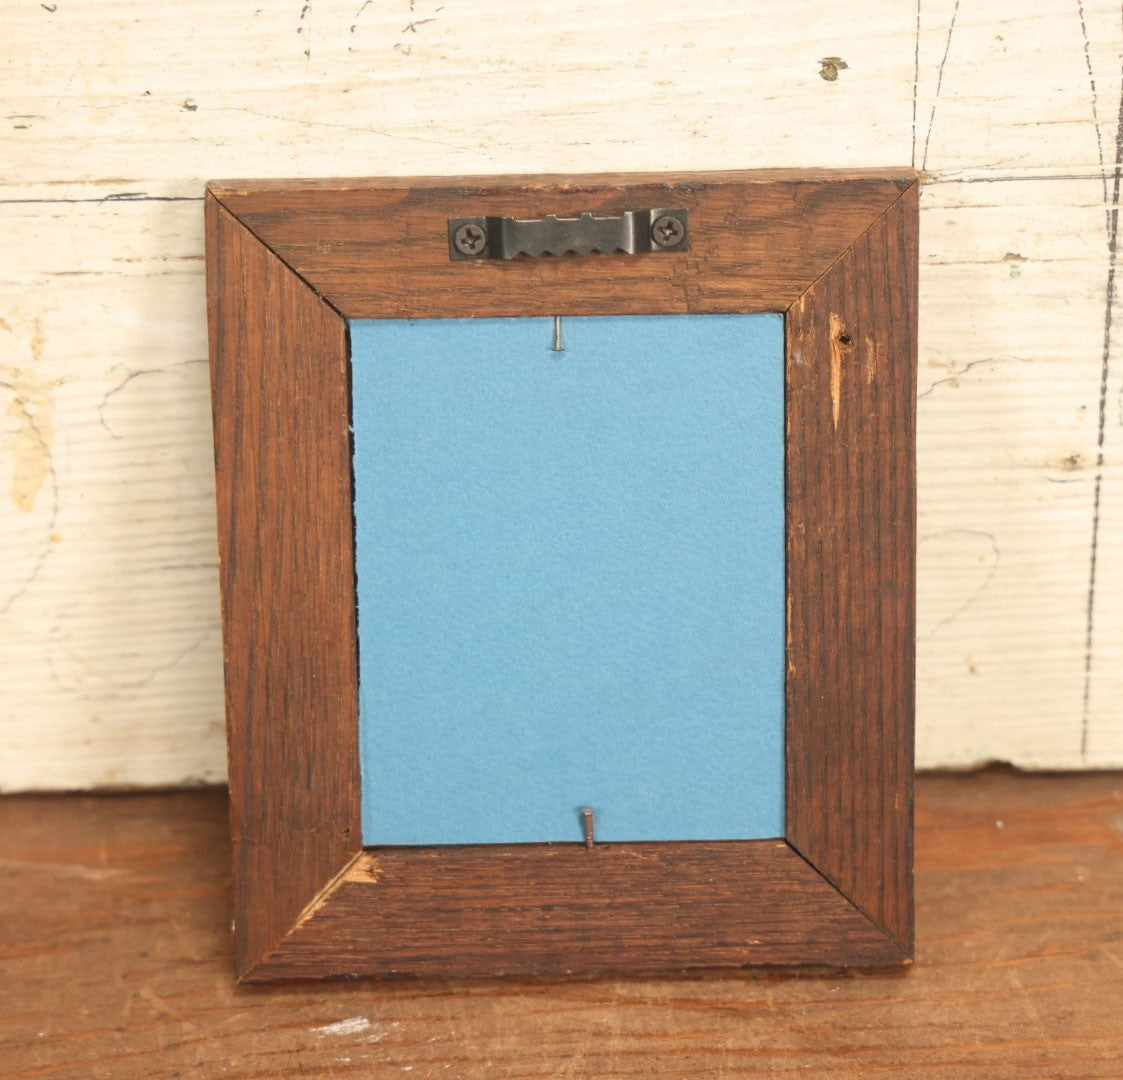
<point>116,112</point>
<point>117,961</point>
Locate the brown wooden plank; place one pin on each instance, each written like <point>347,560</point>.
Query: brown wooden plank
<point>851,342</point>
<point>548,909</point>
<point>283,463</point>
<point>379,249</point>
<point>115,954</point>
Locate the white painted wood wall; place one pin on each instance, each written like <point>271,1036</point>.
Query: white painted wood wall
<point>114,112</point>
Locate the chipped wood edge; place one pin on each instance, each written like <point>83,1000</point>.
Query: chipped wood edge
<point>888,885</point>
<point>328,943</point>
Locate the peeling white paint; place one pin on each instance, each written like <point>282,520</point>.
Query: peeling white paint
<point>110,659</point>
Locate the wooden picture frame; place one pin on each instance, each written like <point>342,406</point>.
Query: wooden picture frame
<point>288,263</point>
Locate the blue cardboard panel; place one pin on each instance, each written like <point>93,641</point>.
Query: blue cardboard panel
<point>570,578</point>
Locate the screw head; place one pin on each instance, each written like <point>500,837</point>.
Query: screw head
<point>469,239</point>
<point>667,231</point>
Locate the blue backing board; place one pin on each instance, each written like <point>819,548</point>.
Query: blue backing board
<point>570,578</point>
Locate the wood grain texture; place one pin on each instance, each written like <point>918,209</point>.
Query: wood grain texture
<point>109,616</point>
<point>534,910</point>
<point>1007,430</point>
<point>757,242</point>
<point>851,565</point>
<point>115,949</point>
<point>240,89</point>
<point>109,588</point>
<point>283,467</point>
<point>378,248</point>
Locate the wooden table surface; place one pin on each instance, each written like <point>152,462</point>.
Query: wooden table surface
<point>115,961</point>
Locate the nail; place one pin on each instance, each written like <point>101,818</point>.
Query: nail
<point>587,821</point>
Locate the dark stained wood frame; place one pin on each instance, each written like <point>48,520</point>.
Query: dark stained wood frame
<point>288,263</point>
